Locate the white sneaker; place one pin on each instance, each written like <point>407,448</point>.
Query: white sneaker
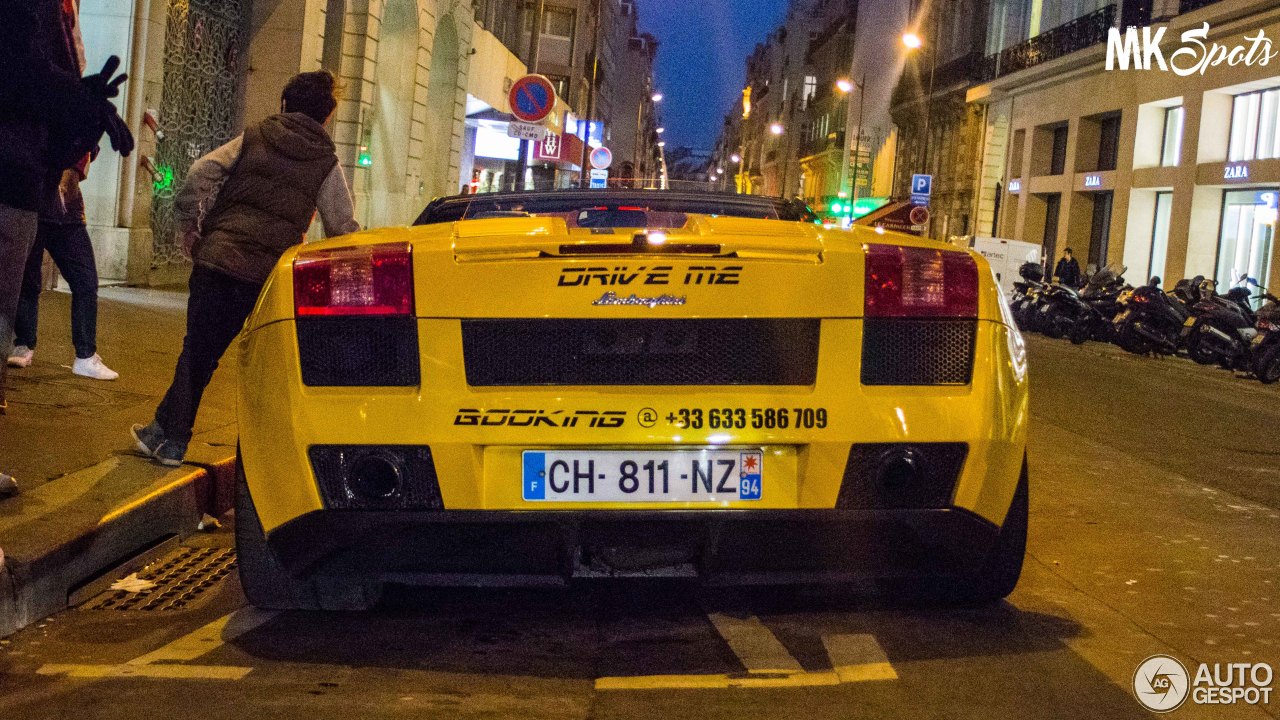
<point>93,368</point>
<point>21,356</point>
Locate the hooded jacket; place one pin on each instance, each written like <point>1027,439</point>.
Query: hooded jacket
<point>268,199</point>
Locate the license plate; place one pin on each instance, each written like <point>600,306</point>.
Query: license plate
<point>1045,308</point>
<point>1259,339</point>
<point>1123,316</point>
<point>1189,322</point>
<point>643,475</point>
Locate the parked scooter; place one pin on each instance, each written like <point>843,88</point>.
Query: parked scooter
<point>1065,307</point>
<point>1027,294</point>
<point>1101,298</point>
<point>1265,350</point>
<point>1221,328</point>
<point>1150,320</point>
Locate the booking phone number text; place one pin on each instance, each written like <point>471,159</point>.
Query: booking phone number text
<point>754,418</point>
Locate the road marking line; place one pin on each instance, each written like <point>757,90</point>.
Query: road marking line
<point>169,672</point>
<point>717,682</point>
<point>207,638</point>
<point>756,646</point>
<point>858,658</point>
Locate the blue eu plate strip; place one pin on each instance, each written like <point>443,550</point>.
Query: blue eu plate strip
<point>535,476</point>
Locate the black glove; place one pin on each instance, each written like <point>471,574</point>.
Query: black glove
<point>103,85</point>
<point>117,131</point>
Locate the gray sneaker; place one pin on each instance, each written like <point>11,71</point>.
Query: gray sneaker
<point>170,453</point>
<point>147,439</point>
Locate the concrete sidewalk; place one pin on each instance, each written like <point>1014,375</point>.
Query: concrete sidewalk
<point>89,503</point>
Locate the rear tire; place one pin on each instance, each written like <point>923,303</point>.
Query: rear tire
<point>1267,366</point>
<point>999,571</point>
<point>1053,326</point>
<point>1081,332</point>
<point>1131,340</point>
<point>1198,349</point>
<point>269,586</point>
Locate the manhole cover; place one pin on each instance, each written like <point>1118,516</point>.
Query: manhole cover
<point>181,579</point>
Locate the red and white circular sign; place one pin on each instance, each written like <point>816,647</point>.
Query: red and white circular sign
<point>919,215</point>
<point>532,98</point>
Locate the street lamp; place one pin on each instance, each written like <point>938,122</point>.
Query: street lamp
<point>662,143</point>
<point>736,158</point>
<point>661,130</point>
<point>776,128</point>
<point>913,41</point>
<point>846,86</point>
<point>656,97</point>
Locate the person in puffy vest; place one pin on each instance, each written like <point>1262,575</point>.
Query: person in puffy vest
<point>241,207</point>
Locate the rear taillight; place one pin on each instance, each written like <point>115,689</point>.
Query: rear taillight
<point>369,280</point>
<point>909,282</point>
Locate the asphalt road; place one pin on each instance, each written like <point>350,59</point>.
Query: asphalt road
<point>1154,529</point>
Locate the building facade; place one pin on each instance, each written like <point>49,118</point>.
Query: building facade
<point>1173,174</point>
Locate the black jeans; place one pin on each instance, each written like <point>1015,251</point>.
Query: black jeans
<point>216,310</point>
<point>72,252</point>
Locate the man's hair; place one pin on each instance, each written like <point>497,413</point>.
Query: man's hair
<point>1067,252</point>
<point>314,94</point>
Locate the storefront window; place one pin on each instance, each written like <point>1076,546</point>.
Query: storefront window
<point>1160,233</point>
<point>1248,233</point>
<point>1255,126</point>
<point>1171,149</point>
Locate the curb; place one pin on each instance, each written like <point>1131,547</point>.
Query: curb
<point>67,553</point>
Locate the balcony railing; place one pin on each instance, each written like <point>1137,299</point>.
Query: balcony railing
<point>1083,32</point>
<point>1186,6</point>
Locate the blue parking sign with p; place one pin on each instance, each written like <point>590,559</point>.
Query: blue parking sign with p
<point>921,184</point>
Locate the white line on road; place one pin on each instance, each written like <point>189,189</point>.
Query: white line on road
<point>756,646</point>
<point>857,658</point>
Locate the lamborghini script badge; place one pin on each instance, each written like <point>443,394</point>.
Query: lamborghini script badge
<point>612,298</point>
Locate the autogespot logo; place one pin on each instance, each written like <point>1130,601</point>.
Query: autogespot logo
<point>1161,683</point>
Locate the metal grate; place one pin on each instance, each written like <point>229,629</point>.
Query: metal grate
<point>181,579</point>
<point>918,352</point>
<point>358,352</point>
<point>640,352</point>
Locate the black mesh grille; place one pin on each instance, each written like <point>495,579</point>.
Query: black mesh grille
<point>873,476</point>
<point>346,352</point>
<point>418,488</point>
<point>898,351</point>
<point>640,352</point>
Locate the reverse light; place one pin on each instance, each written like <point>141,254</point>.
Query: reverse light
<point>370,280</point>
<point>909,282</point>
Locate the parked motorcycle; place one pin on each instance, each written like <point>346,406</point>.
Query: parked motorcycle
<point>1064,307</point>
<point>1221,329</point>
<point>1265,350</point>
<point>1150,320</point>
<point>1101,298</point>
<point>1027,295</point>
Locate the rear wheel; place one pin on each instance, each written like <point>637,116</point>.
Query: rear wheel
<point>1053,326</point>
<point>1081,332</point>
<point>269,586</point>
<point>1198,346</point>
<point>1130,338</point>
<point>1267,366</point>
<point>999,571</point>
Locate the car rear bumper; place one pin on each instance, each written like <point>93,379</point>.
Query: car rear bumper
<point>717,547</point>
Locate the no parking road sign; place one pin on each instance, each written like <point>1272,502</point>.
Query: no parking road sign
<point>601,158</point>
<point>532,98</point>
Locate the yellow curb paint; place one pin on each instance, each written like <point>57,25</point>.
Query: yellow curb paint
<point>207,638</point>
<point>138,502</point>
<point>170,672</point>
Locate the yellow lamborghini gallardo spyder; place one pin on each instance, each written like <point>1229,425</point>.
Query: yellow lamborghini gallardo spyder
<point>536,387</point>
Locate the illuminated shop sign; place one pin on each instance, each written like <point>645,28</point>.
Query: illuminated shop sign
<point>1236,172</point>
<point>1093,181</point>
<point>1015,186</point>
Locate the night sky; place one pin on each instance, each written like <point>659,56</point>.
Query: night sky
<point>702,59</point>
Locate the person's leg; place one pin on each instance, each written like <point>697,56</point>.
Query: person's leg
<point>17,233</point>
<point>72,251</point>
<point>28,314</point>
<point>216,310</point>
